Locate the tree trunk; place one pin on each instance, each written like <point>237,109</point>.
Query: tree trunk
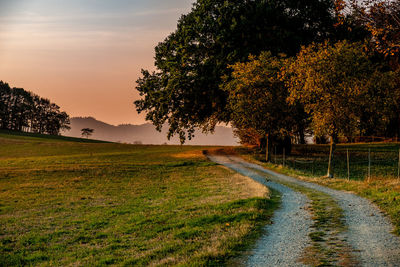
<point>302,140</point>
<point>331,154</point>
<point>267,148</point>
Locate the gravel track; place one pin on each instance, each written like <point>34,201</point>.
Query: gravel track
<point>287,237</point>
<point>369,231</point>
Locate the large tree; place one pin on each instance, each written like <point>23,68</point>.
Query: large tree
<point>185,91</point>
<point>340,87</point>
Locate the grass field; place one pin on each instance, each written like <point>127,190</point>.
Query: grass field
<point>382,189</point>
<point>88,203</point>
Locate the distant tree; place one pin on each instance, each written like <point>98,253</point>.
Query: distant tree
<point>338,85</point>
<point>19,103</point>
<point>5,92</point>
<point>87,132</point>
<point>21,110</point>
<point>248,136</point>
<point>57,121</point>
<point>185,91</point>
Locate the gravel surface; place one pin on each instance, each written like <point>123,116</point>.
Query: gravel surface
<point>369,231</point>
<point>287,237</point>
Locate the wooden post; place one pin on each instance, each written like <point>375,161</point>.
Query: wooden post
<point>267,148</point>
<point>275,154</point>
<point>369,163</point>
<point>331,155</point>
<point>348,165</point>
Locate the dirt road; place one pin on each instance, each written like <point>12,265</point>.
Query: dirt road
<point>369,231</point>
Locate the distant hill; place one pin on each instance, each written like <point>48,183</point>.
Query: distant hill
<point>145,133</point>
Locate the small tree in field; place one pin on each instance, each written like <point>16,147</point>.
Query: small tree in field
<point>338,84</point>
<point>86,132</point>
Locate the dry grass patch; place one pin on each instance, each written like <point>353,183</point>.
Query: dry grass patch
<point>189,154</point>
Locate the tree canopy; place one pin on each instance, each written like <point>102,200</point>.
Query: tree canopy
<point>257,98</point>
<point>185,90</point>
<point>337,84</point>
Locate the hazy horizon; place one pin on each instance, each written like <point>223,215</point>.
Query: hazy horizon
<point>70,51</point>
<point>146,133</point>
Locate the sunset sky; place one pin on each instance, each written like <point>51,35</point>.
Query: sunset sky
<point>84,55</point>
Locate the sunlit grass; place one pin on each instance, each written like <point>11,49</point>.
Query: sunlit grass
<point>71,203</point>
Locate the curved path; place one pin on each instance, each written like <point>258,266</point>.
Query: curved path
<point>369,231</point>
<point>288,235</point>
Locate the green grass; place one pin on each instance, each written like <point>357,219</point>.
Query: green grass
<point>312,160</point>
<point>44,137</point>
<point>380,189</point>
<point>78,203</point>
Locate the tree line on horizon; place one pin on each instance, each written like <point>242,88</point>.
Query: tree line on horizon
<point>21,110</point>
<point>277,70</point>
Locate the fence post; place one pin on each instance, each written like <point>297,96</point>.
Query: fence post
<point>283,157</point>
<point>398,168</point>
<point>369,163</point>
<point>275,154</point>
<point>348,165</point>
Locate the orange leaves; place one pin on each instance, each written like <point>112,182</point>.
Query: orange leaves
<point>382,19</point>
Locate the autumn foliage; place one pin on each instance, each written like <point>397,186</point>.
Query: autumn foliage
<point>341,88</point>
<point>382,19</point>
<point>278,70</point>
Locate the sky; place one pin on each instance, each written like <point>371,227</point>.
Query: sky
<point>84,55</point>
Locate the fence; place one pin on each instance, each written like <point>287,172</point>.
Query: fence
<point>352,162</point>
<point>367,139</point>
